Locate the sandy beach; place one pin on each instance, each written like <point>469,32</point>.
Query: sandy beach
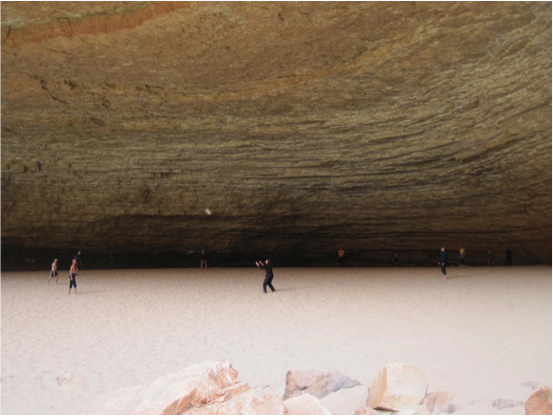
<point>481,335</point>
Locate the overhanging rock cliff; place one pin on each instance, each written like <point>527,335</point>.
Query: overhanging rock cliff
<point>303,127</point>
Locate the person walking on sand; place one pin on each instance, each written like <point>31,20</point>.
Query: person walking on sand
<point>54,272</point>
<point>396,258</point>
<point>268,267</point>
<point>491,259</point>
<point>443,261</point>
<point>341,254</point>
<point>462,254</point>
<point>203,260</point>
<point>72,276</point>
<point>508,257</point>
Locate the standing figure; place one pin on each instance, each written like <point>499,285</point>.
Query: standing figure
<point>443,261</point>
<point>462,254</point>
<point>341,254</point>
<point>72,276</point>
<point>268,267</point>
<point>508,257</point>
<point>396,258</point>
<point>54,272</point>
<point>203,261</point>
<point>78,260</point>
<point>491,260</point>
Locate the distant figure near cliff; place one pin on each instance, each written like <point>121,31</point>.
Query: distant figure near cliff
<point>443,261</point>
<point>341,254</point>
<point>508,257</point>
<point>79,264</point>
<point>203,260</point>
<point>491,259</point>
<point>462,254</point>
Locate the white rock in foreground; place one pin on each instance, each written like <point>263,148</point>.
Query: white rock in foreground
<point>398,387</point>
<point>305,404</point>
<point>247,402</point>
<point>439,403</point>
<point>173,393</point>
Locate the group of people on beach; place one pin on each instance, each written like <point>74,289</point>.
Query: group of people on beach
<point>443,258</point>
<point>73,270</point>
<point>462,257</point>
<point>268,266</point>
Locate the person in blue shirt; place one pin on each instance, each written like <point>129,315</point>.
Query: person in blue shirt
<point>268,267</point>
<point>443,261</point>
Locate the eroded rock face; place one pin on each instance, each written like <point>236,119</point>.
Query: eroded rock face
<point>303,127</point>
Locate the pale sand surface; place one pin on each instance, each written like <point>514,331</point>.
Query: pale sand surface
<point>480,335</point>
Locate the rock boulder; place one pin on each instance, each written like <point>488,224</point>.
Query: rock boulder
<point>397,387</point>
<point>306,404</point>
<point>246,402</point>
<point>173,393</point>
<point>317,383</point>
<point>539,403</point>
<point>439,403</point>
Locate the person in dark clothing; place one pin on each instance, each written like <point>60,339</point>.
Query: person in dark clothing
<point>508,257</point>
<point>268,267</point>
<point>491,258</point>
<point>341,255</point>
<point>443,261</point>
<point>396,258</point>
<point>203,261</point>
<point>72,275</point>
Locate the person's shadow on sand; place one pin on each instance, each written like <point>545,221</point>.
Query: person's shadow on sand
<point>91,292</point>
<point>459,277</point>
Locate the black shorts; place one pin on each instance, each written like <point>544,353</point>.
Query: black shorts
<point>73,282</point>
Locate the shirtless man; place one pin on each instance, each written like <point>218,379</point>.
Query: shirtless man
<point>54,272</point>
<point>72,275</point>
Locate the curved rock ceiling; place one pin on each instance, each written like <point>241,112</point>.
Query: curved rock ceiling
<point>302,126</point>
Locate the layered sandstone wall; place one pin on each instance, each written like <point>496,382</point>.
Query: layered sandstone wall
<point>302,127</point>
